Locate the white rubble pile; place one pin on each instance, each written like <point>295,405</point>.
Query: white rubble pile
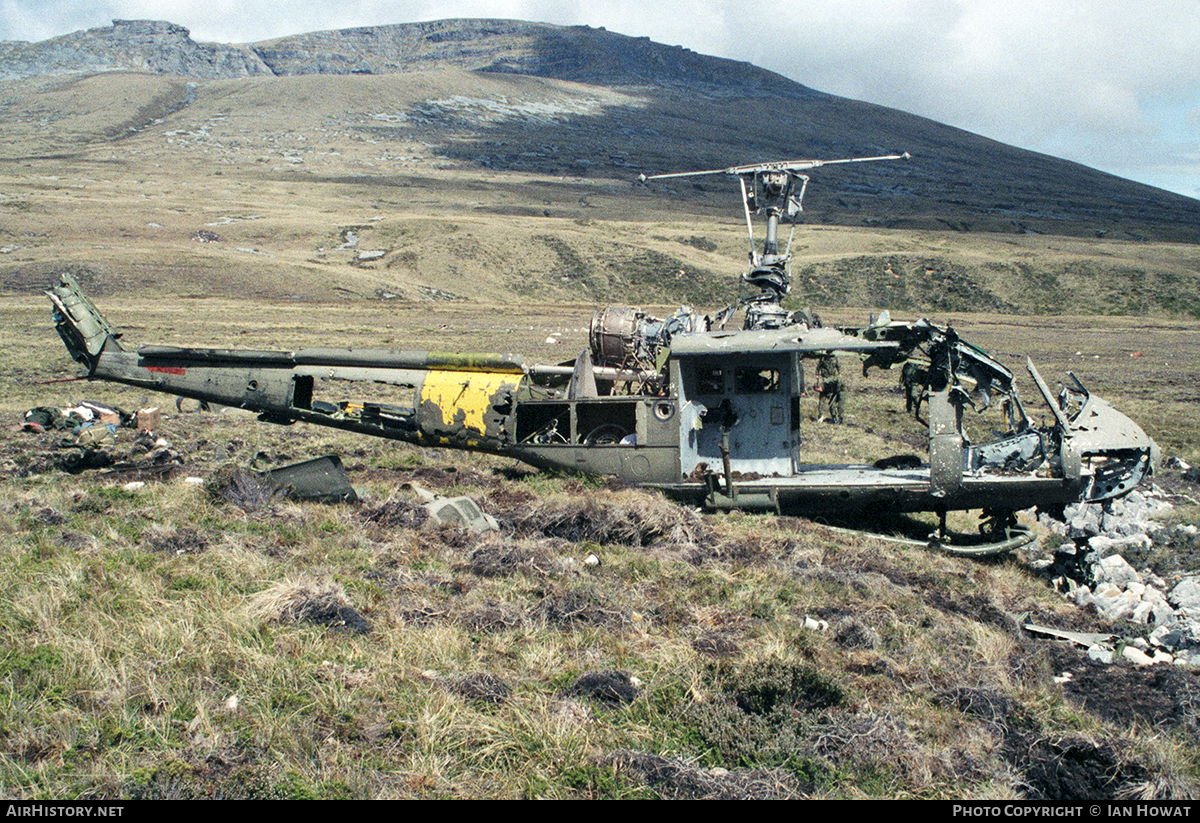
<point>1098,574</point>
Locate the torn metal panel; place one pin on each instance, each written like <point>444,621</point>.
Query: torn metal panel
<point>1099,445</point>
<point>1084,639</point>
<point>469,406</point>
<point>945,444</point>
<point>79,323</point>
<point>323,479</point>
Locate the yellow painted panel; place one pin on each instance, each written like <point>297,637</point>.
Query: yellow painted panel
<point>464,397</point>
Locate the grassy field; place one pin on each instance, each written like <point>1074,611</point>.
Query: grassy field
<point>165,642</point>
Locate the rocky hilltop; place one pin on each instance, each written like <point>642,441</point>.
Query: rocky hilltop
<point>129,45</point>
<point>578,53</point>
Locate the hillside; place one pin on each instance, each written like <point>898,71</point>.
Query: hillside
<point>505,153</point>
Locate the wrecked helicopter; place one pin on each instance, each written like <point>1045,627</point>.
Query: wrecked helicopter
<point>707,414</point>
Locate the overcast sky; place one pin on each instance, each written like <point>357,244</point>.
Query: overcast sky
<point>1112,84</point>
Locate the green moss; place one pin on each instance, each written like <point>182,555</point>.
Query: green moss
<point>188,583</point>
<point>35,674</point>
<point>588,781</point>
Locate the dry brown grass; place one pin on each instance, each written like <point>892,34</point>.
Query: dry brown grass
<point>305,598</point>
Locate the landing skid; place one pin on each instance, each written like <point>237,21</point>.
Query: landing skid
<point>998,534</point>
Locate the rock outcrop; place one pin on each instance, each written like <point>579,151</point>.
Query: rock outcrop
<point>1093,570</point>
<point>129,45</point>
<point>578,53</point>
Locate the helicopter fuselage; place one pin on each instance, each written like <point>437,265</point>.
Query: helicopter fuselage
<point>710,417</point>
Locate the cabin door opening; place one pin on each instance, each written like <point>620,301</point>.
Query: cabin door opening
<point>753,399</point>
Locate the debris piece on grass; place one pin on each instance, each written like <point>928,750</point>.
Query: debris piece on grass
<point>323,479</point>
<point>461,512</point>
<point>1085,639</point>
<point>149,419</point>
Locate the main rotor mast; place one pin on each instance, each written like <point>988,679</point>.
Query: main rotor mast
<point>775,190</point>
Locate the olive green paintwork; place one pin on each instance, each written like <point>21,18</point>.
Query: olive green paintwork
<point>719,425</point>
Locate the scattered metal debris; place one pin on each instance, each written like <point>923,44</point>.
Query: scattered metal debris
<point>323,479</point>
<point>455,511</point>
<point>1085,639</point>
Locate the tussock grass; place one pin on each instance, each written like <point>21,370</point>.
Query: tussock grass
<point>193,674</point>
<point>304,599</point>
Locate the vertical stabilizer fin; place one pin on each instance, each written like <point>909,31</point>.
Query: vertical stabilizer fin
<point>79,323</point>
